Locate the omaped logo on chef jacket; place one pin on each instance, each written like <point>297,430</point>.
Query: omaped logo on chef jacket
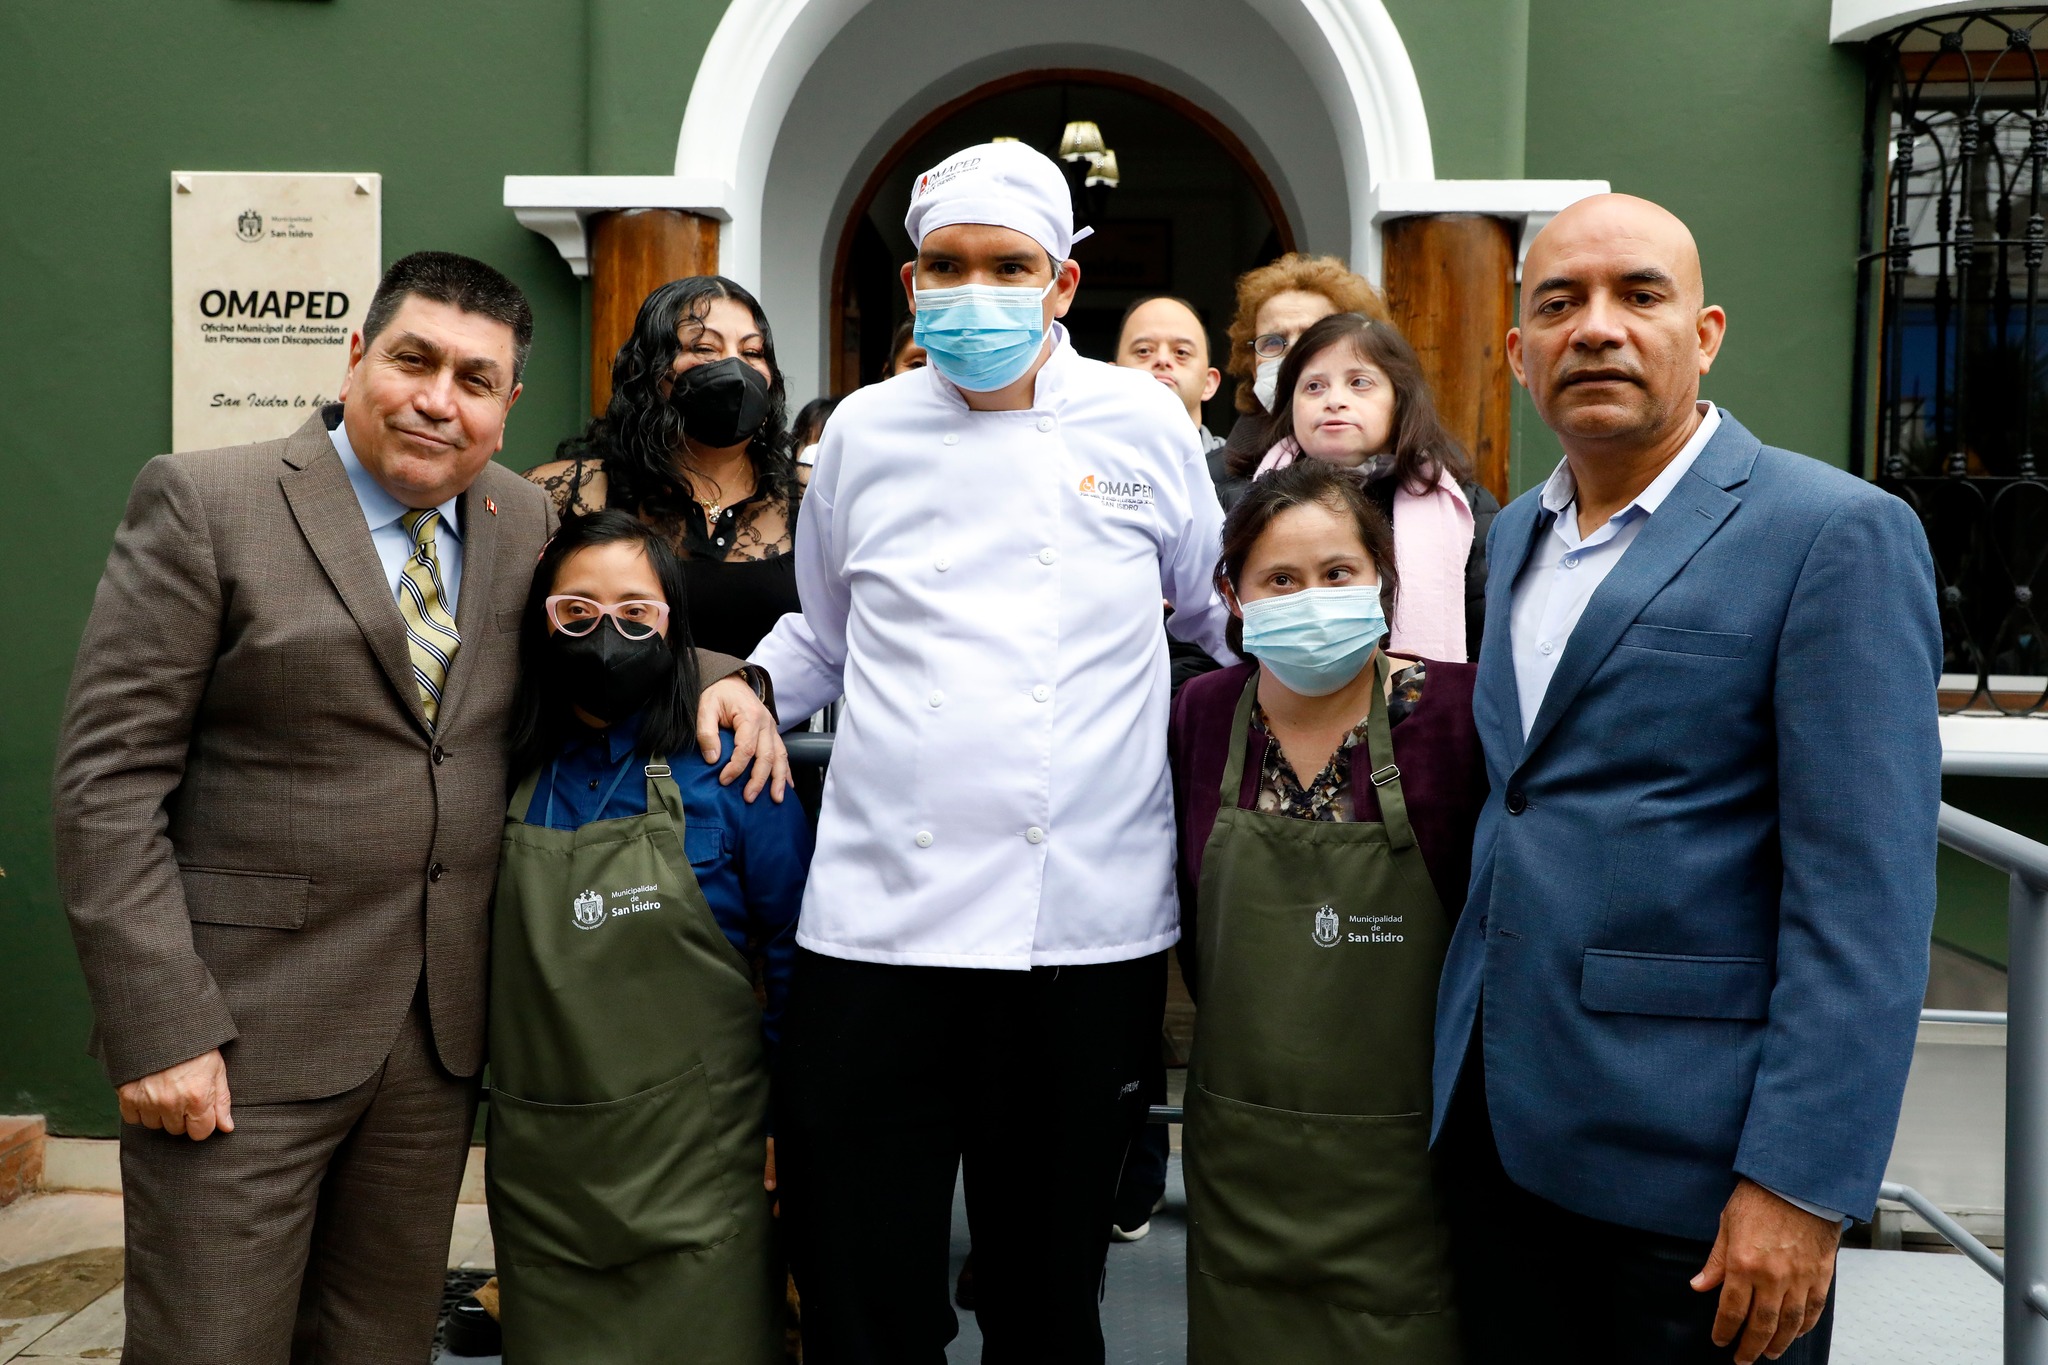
<point>1125,495</point>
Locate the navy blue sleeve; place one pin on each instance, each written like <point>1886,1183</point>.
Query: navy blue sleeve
<point>773,856</point>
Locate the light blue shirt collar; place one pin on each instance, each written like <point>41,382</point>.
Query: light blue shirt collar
<point>380,509</point>
<point>1561,490</point>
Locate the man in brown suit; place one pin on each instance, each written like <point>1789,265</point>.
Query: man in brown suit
<point>279,792</point>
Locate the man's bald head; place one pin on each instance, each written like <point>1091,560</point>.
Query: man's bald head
<point>1606,224</point>
<point>1615,330</point>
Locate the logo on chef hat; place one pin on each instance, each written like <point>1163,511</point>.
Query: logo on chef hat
<point>940,175</point>
<point>1326,927</point>
<point>590,910</point>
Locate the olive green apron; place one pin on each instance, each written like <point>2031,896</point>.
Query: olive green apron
<point>629,1103</point>
<point>1315,1232</point>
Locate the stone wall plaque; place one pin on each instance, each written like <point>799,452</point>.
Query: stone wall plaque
<point>269,276</point>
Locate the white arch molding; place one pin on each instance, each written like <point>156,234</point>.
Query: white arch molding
<point>796,101</point>
<point>763,49</point>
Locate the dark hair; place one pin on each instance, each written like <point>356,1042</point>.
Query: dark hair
<point>810,421</point>
<point>637,438</point>
<point>1421,445</point>
<point>460,282</point>
<point>1305,481</point>
<point>542,718</point>
<point>905,333</point>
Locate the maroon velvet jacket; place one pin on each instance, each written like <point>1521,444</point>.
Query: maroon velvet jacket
<point>1443,776</point>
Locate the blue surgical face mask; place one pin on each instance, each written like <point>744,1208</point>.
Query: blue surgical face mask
<point>982,337</point>
<point>1315,641</point>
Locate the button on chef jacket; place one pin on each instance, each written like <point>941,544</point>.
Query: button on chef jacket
<point>984,588</point>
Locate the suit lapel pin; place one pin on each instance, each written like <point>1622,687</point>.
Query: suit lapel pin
<point>491,506</point>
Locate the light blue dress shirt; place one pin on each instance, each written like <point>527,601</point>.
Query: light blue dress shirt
<point>382,512</point>
<point>1560,578</point>
<point>1565,568</point>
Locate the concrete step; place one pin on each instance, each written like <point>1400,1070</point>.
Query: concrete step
<point>21,1156</point>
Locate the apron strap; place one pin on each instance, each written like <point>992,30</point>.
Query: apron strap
<point>1385,777</point>
<point>662,791</point>
<point>1379,738</point>
<point>522,796</point>
<point>1240,734</point>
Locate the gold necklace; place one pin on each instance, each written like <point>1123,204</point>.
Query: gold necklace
<point>714,507</point>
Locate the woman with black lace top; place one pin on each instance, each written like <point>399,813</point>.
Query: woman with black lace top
<point>695,443</point>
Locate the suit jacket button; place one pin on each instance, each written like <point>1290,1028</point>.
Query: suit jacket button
<point>1517,803</point>
<point>440,755</point>
<point>436,872</point>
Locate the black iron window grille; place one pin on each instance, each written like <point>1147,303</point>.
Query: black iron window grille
<point>1955,170</point>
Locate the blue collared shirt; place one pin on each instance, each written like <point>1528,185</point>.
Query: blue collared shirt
<point>382,512</point>
<point>750,861</point>
<point>1565,568</point>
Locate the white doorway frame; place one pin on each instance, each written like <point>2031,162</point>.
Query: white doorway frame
<point>763,49</point>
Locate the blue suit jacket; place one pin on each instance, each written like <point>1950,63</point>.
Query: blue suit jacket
<point>1703,886</point>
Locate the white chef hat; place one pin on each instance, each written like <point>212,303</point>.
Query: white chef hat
<point>1003,184</point>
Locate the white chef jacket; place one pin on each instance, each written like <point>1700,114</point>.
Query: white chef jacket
<point>985,589</point>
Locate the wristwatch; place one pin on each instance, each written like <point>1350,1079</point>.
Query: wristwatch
<point>756,677</point>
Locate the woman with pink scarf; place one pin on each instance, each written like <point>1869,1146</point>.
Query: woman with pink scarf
<point>1351,393</point>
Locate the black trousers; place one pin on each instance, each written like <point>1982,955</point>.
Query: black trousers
<point>1143,1181</point>
<point>1538,1283</point>
<point>892,1078</point>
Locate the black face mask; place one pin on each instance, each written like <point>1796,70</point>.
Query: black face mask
<point>721,404</point>
<point>608,675</point>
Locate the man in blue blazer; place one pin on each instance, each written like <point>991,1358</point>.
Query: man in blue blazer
<point>1680,1004</point>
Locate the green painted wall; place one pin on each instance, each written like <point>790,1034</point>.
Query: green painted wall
<point>1471,58</point>
<point>100,103</point>
<point>1741,118</point>
<point>643,60</point>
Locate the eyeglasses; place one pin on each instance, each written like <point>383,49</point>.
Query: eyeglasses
<point>1271,346</point>
<point>579,616</point>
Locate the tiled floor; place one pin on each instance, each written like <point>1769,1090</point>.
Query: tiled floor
<point>60,1275</point>
<point>60,1296</point>
<point>60,1272</point>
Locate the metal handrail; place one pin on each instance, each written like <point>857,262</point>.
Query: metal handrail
<point>812,747</point>
<point>2024,1270</point>
<point>1997,1017</point>
<point>2014,854</point>
<point>1954,1233</point>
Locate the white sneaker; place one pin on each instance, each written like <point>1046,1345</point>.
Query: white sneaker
<point>1138,1233</point>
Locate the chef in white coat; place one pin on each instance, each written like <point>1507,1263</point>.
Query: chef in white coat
<point>981,967</point>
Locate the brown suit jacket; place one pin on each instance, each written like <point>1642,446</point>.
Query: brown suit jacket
<point>260,844</point>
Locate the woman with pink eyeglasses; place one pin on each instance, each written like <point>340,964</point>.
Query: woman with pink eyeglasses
<point>637,901</point>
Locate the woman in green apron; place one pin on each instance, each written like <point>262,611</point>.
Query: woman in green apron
<point>629,1166</point>
<point>1324,850</point>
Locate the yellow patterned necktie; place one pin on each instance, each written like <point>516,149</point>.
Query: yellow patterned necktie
<point>430,634</point>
